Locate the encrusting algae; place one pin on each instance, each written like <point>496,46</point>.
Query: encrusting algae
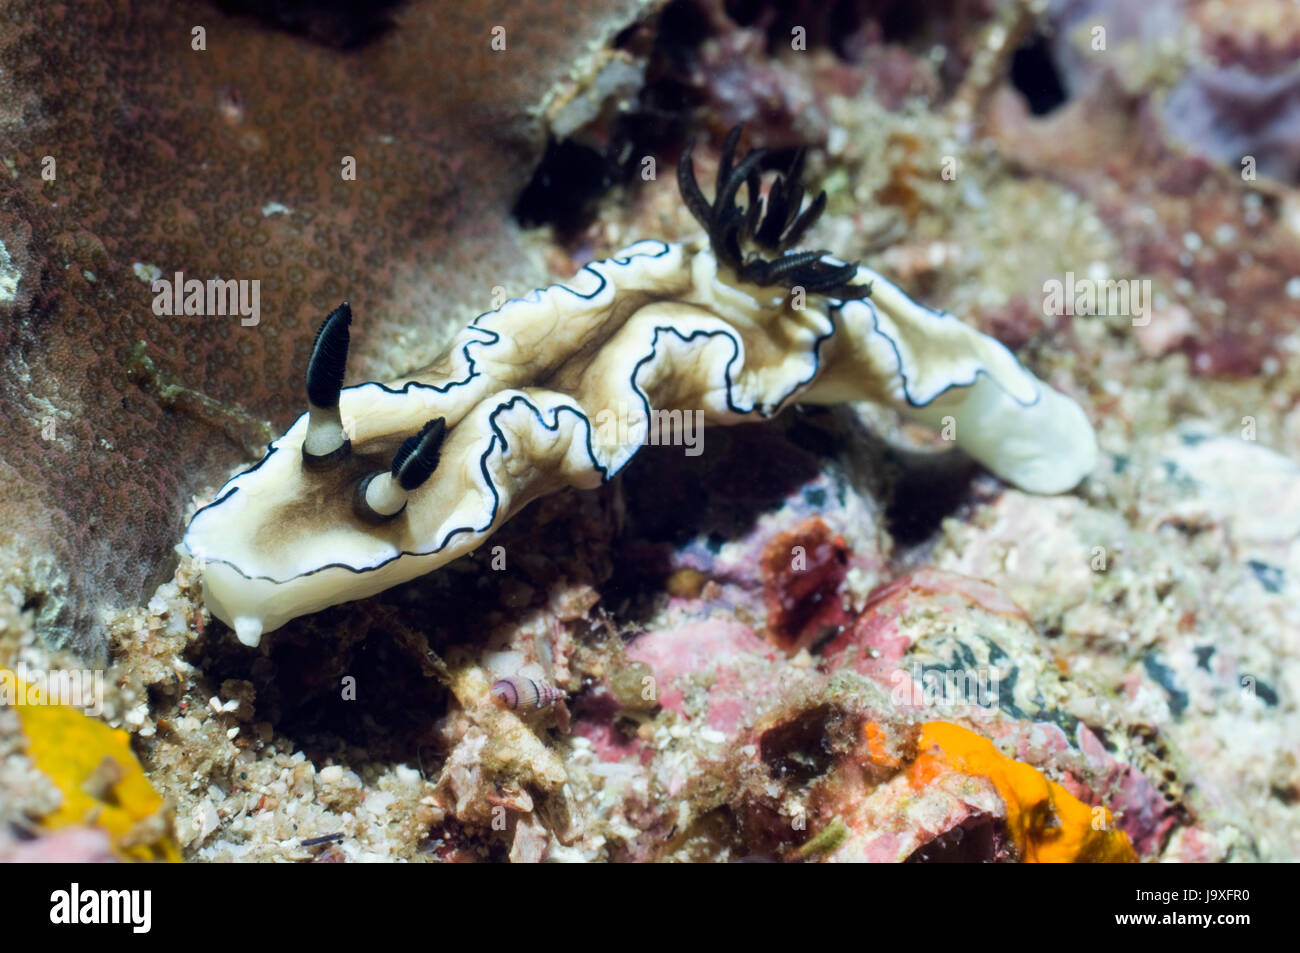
<point>1047,823</point>
<point>101,781</point>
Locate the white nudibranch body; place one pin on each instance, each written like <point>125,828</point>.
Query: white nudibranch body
<point>523,394</point>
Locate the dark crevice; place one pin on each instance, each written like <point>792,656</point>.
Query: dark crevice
<point>980,839</point>
<point>672,499</point>
<point>1035,76</point>
<point>683,26</point>
<point>800,750</point>
<point>342,24</point>
<point>744,12</point>
<point>566,187</point>
<point>902,22</point>
<point>929,489</point>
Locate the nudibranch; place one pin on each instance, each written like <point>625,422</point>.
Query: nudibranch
<point>379,483</point>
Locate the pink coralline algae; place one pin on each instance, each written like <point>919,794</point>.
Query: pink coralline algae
<point>812,759</point>
<point>1234,115</point>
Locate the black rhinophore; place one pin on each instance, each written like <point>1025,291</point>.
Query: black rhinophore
<point>417,457</point>
<point>329,358</point>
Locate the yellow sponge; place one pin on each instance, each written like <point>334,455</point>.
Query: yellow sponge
<point>101,781</point>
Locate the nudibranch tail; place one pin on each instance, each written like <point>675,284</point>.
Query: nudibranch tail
<point>560,388</point>
<point>326,442</point>
<point>937,370</point>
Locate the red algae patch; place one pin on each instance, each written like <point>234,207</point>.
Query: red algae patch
<point>803,573</point>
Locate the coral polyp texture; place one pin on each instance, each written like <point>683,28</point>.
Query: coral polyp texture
<point>561,387</point>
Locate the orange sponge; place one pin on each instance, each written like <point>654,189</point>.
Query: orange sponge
<point>1046,822</point>
<point>101,781</point>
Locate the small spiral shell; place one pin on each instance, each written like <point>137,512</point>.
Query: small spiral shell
<point>524,694</point>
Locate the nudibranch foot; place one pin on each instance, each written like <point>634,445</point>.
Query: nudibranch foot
<point>560,388</point>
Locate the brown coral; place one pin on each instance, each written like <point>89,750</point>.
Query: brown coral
<point>227,160</point>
